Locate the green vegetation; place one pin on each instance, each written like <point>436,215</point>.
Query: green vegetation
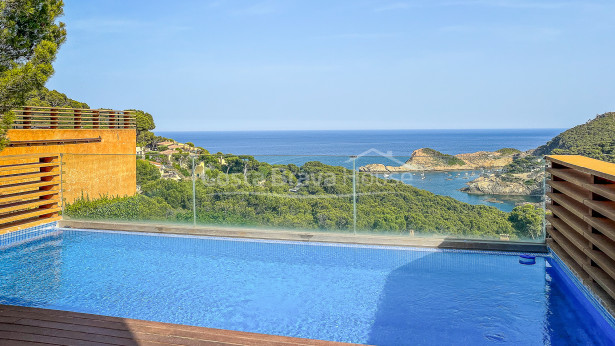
<point>145,124</point>
<point>509,151</point>
<point>29,39</point>
<point>445,159</point>
<point>146,172</point>
<point>595,139</point>
<point>241,191</point>
<point>524,165</point>
<point>137,207</point>
<point>527,220</point>
<point>52,98</point>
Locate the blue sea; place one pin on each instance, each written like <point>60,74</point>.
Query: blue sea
<point>345,143</point>
<point>389,147</point>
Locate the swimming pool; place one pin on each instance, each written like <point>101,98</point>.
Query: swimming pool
<point>361,294</point>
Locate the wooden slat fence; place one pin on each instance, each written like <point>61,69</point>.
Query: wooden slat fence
<point>29,191</point>
<point>582,220</point>
<point>31,117</point>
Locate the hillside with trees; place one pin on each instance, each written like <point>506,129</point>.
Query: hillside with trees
<point>595,139</point>
<point>30,37</point>
<point>52,98</point>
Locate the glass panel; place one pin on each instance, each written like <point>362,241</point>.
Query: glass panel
<point>127,188</point>
<point>274,192</point>
<point>444,196</point>
<point>311,193</point>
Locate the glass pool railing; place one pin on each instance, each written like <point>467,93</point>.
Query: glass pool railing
<point>429,196</point>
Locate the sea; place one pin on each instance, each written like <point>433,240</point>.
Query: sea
<point>389,147</point>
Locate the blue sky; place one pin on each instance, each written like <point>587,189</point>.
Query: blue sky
<point>338,64</point>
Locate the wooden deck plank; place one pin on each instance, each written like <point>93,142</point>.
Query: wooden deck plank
<point>24,325</point>
<point>58,330</point>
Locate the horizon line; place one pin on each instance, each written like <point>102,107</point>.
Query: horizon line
<point>349,130</point>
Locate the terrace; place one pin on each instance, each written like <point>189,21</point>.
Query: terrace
<point>59,215</point>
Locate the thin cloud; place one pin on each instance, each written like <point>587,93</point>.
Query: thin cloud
<point>359,36</point>
<point>106,25</point>
<point>394,6</point>
<point>514,4</point>
<point>259,9</point>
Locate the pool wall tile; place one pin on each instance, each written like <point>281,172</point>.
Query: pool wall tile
<point>28,234</point>
<point>584,294</point>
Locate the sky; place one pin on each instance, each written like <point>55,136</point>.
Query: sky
<point>337,64</point>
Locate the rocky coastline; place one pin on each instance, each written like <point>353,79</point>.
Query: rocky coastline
<point>521,184</point>
<point>426,159</point>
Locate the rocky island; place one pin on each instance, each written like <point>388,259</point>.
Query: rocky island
<point>519,184</point>
<point>525,175</point>
<point>427,159</point>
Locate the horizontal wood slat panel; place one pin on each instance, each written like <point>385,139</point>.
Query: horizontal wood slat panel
<point>31,117</point>
<point>605,190</point>
<point>606,208</point>
<point>576,208</point>
<point>605,262</point>
<point>571,190</point>
<point>15,178</point>
<point>572,251</point>
<point>6,208</point>
<point>60,121</point>
<point>582,228</point>
<point>604,225</point>
<point>29,191</point>
<point>26,223</point>
<point>568,260</point>
<point>570,219</point>
<point>19,187</point>
<point>604,280</point>
<point>578,239</point>
<point>25,195</point>
<point>75,111</point>
<point>570,175</point>
<point>53,142</point>
<point>27,166</point>
<point>26,214</point>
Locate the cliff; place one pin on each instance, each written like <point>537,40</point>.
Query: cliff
<point>427,159</point>
<point>520,184</point>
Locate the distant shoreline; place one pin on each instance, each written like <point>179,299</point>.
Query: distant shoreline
<point>400,143</point>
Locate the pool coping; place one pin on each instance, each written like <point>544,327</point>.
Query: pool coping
<point>304,236</point>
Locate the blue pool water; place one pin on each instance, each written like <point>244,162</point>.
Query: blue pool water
<point>375,295</point>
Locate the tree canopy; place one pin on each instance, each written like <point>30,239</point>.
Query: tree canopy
<point>146,172</point>
<point>145,124</point>
<point>595,139</point>
<point>52,98</point>
<point>29,41</point>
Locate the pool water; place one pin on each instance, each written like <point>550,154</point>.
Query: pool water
<point>361,294</point>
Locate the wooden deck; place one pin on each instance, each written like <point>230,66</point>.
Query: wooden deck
<point>33,326</point>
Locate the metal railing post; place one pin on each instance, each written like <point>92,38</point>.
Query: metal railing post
<point>193,194</point>
<point>354,194</point>
<point>61,182</point>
